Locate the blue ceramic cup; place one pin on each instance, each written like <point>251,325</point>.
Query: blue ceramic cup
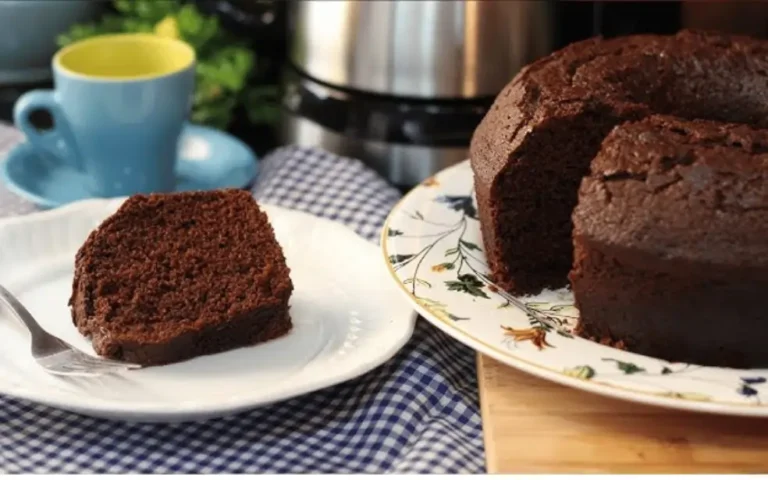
<point>119,105</point>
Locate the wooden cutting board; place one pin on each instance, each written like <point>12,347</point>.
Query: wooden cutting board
<point>531,425</point>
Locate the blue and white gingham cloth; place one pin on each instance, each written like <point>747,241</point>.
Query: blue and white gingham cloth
<point>418,413</point>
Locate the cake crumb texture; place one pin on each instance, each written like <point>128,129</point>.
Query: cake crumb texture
<point>634,169</point>
<point>534,146</point>
<point>172,276</point>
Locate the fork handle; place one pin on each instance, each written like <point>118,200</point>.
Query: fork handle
<point>21,313</point>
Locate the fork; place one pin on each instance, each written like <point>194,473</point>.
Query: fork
<point>55,355</point>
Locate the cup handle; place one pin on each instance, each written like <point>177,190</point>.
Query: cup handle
<point>59,140</point>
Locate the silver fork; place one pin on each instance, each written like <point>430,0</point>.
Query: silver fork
<point>55,355</point>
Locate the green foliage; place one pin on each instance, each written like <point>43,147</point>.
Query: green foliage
<point>627,367</point>
<point>467,283</point>
<point>224,63</point>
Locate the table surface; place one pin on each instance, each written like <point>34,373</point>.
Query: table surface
<point>535,426</point>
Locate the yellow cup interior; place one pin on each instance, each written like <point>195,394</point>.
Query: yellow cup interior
<point>125,57</point>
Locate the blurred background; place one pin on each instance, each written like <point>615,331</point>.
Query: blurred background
<point>400,84</point>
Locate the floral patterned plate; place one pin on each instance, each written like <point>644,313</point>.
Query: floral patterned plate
<point>433,247</point>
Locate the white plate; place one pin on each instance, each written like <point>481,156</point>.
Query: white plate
<point>348,318</point>
<point>433,247</point>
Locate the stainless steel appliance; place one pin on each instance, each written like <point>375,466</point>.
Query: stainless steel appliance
<point>402,84</point>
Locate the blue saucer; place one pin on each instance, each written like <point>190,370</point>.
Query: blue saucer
<point>208,159</point>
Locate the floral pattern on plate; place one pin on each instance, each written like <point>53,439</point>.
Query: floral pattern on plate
<point>433,246</point>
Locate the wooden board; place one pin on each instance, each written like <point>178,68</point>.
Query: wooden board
<point>531,425</point>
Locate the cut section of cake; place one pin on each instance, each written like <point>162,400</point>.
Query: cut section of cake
<point>671,257</point>
<point>535,144</point>
<point>170,277</point>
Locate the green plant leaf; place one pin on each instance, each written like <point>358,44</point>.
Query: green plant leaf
<point>753,380</point>
<point>537,323</point>
<point>429,303</point>
<point>395,259</point>
<point>81,31</point>
<point>467,283</point>
<point>695,396</point>
<point>224,64</point>
<point>215,113</point>
<point>149,11</point>
<point>199,31</point>
<point>228,67</point>
<point>627,367</point>
<point>418,281</point>
<point>134,25</point>
<point>582,371</point>
<point>536,305</point>
<point>470,245</point>
<point>747,391</point>
<point>262,104</point>
<point>558,308</point>
<point>126,7</point>
<point>459,203</point>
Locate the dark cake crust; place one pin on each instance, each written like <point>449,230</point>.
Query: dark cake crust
<point>174,276</point>
<point>670,250</point>
<point>533,147</point>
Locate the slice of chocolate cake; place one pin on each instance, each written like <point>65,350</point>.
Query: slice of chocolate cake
<point>169,277</point>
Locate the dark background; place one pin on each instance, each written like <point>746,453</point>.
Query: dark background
<point>576,20</point>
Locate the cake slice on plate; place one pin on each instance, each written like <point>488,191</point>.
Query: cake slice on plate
<point>169,277</point>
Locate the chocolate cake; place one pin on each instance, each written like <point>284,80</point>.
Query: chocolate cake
<point>671,242</point>
<point>172,276</point>
<point>533,147</point>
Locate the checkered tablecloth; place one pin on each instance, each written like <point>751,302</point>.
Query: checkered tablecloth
<point>416,413</point>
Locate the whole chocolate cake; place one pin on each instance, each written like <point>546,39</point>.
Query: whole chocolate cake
<point>533,147</point>
<point>173,276</point>
<point>671,242</point>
